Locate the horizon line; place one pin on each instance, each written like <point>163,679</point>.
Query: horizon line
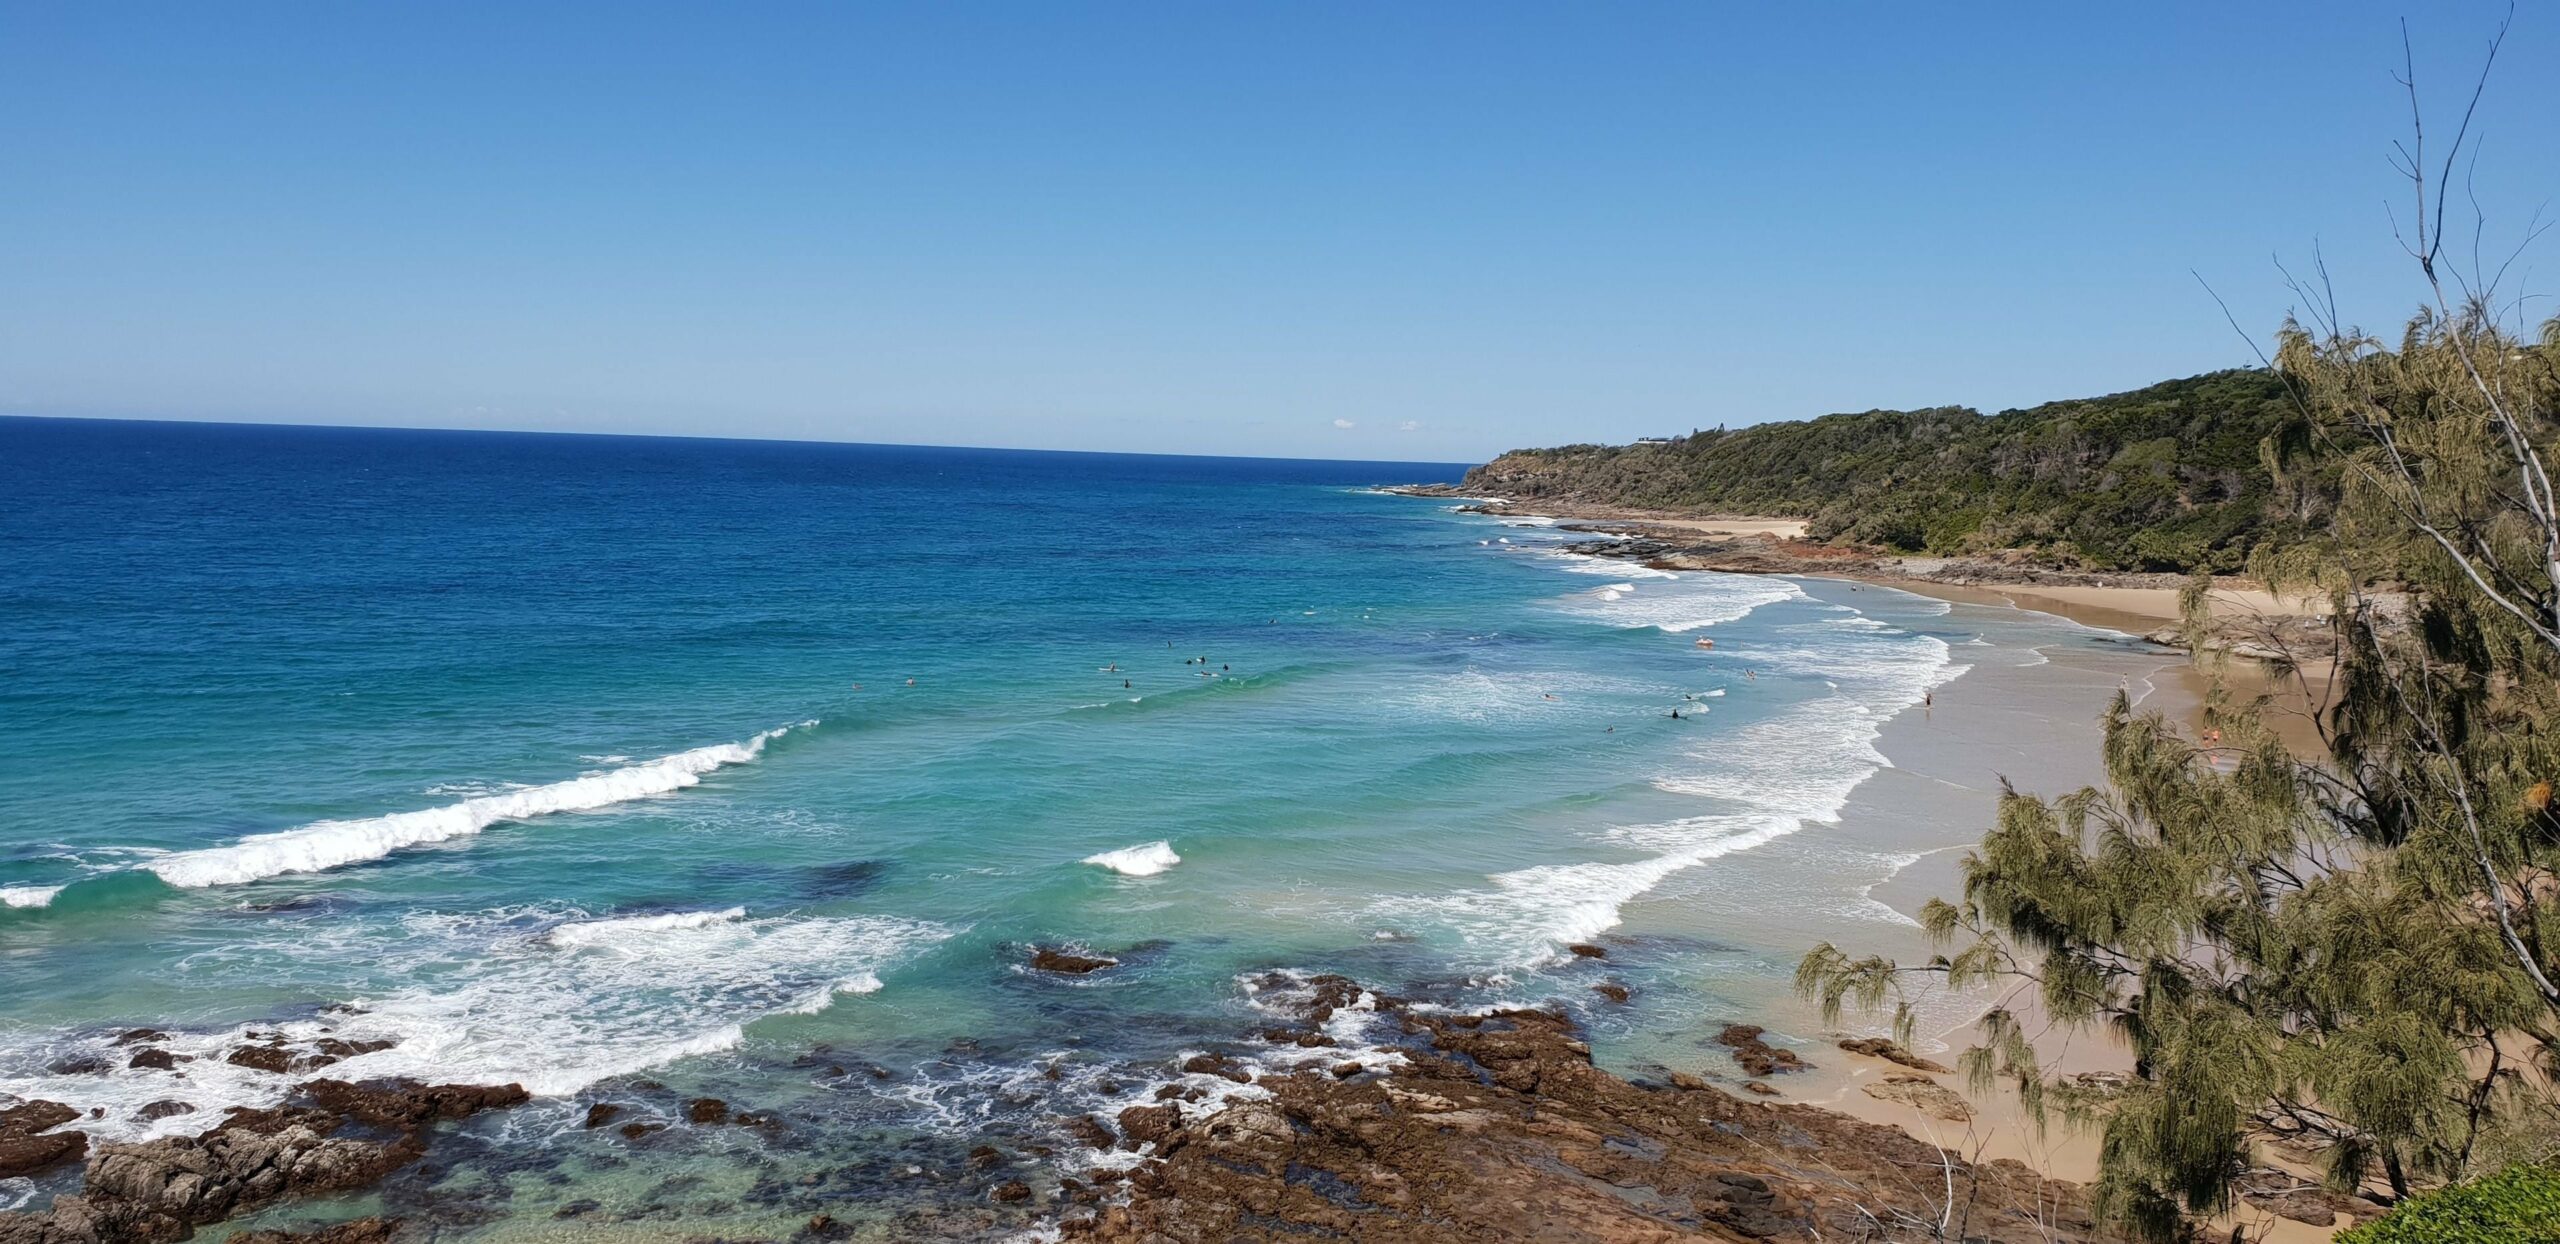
<point>679,436</point>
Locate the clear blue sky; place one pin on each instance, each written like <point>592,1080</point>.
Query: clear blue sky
<point>1211,228</point>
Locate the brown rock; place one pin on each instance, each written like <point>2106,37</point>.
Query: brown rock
<point>634,1131</point>
<point>1141,1125</point>
<point>1585,950</point>
<point>1613,991</point>
<point>1498,1127</point>
<point>133,1036</point>
<point>602,1113</point>
<point>273,1057</point>
<point>1012,1190</point>
<point>1052,959</point>
<point>166,1108</point>
<point>1879,1047</point>
<point>1344,1071</point>
<point>154,1059</point>
<point>1091,1132</point>
<point>28,1155</point>
<point>1921,1093</point>
<point>161,1190</point>
<point>34,1117</point>
<point>1758,1057</point>
<point>1216,1065</point>
<point>707,1110</point>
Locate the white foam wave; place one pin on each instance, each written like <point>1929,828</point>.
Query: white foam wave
<point>1698,601</point>
<point>1615,568</point>
<point>1762,781</point>
<point>619,931</point>
<point>330,844</point>
<point>484,1000</point>
<point>28,895</point>
<point>1145,860</point>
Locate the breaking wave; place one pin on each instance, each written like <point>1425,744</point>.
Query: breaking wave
<point>331,844</point>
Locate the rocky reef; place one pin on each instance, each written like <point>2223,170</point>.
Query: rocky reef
<point>332,1136</point>
<point>1499,1126</point>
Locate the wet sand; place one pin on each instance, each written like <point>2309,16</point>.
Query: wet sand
<point>2037,726</point>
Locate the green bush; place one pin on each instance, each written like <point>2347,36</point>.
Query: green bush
<point>2519,1205</point>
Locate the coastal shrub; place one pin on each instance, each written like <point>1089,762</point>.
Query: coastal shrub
<point>2353,951</point>
<point>2181,456</point>
<point>2520,1205</point>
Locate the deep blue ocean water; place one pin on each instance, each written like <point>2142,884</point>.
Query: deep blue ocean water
<point>626,768</point>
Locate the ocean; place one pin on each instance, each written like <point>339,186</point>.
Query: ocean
<point>634,770</point>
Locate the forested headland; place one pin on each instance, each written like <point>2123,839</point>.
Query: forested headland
<point>2173,477</point>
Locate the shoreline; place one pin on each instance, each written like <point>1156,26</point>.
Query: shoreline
<point>1830,1103</point>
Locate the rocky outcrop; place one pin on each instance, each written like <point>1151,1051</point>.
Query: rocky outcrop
<point>30,1142</point>
<point>1758,1057</point>
<point>1880,1047</point>
<point>1500,1127</point>
<point>1910,1088</point>
<point>163,1189</point>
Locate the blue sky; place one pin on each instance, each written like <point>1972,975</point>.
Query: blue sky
<point>1339,230</point>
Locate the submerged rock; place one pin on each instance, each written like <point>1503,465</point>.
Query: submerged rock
<point>1066,962</point>
<point>355,1231</point>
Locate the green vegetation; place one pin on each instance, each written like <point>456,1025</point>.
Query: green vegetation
<point>2171,477</point>
<point>2354,952</point>
<point>2520,1205</point>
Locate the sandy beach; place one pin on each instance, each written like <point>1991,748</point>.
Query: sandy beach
<point>2036,726</point>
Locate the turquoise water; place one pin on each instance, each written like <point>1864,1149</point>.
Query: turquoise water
<point>630,768</point>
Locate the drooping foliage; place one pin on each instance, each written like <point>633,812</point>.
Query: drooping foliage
<point>2351,952</point>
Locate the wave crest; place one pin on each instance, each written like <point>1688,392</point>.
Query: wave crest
<point>324,845</point>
